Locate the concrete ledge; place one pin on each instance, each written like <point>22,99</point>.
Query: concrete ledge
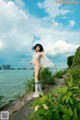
<point>17,104</point>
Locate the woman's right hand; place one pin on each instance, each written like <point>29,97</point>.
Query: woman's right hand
<point>30,63</point>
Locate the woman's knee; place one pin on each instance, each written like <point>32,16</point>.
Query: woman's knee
<point>38,66</point>
<point>36,77</point>
<point>37,72</point>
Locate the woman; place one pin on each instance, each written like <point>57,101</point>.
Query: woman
<point>39,60</point>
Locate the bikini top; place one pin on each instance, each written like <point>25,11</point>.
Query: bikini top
<point>36,56</point>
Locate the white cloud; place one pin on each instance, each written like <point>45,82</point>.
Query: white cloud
<point>52,8</point>
<point>20,3</point>
<point>40,5</point>
<point>72,23</point>
<point>18,28</point>
<point>1,45</point>
<point>60,47</point>
<point>10,15</point>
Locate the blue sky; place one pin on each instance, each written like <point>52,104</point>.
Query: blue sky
<point>23,23</point>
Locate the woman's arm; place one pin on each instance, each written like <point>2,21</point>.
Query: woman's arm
<point>31,61</point>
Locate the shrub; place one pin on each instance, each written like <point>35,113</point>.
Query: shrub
<point>75,73</point>
<point>76,60</point>
<point>60,73</point>
<point>70,61</point>
<point>45,108</point>
<point>68,104</point>
<point>73,79</point>
<point>46,76</point>
<point>29,85</point>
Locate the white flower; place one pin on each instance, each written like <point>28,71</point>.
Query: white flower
<point>45,106</point>
<point>36,107</point>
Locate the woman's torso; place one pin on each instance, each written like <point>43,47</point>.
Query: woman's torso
<point>36,58</point>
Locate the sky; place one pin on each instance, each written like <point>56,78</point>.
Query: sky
<point>23,23</point>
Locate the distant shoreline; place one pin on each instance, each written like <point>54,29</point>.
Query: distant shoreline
<point>18,69</point>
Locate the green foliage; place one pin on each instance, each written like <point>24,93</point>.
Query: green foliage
<point>76,60</point>
<point>73,61</point>
<point>60,73</point>
<point>61,104</point>
<point>75,74</point>
<point>73,79</point>
<point>70,61</point>
<point>47,108</point>
<point>68,102</point>
<point>29,85</point>
<point>46,76</point>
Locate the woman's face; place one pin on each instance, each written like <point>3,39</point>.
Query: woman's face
<point>38,48</point>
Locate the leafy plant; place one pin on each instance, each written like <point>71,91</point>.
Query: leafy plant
<point>70,61</point>
<point>76,60</point>
<point>60,73</point>
<point>46,108</point>
<point>68,104</point>
<point>75,73</point>
<point>29,85</point>
<point>46,76</point>
<point>61,104</point>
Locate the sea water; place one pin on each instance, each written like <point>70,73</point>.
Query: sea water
<point>12,83</point>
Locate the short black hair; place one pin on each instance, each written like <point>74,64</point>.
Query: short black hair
<point>41,47</point>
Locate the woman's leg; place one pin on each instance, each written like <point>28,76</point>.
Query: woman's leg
<point>37,71</point>
<point>37,81</point>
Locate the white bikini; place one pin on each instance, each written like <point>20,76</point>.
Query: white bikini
<point>37,56</point>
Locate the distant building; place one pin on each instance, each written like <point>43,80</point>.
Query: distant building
<point>5,67</point>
